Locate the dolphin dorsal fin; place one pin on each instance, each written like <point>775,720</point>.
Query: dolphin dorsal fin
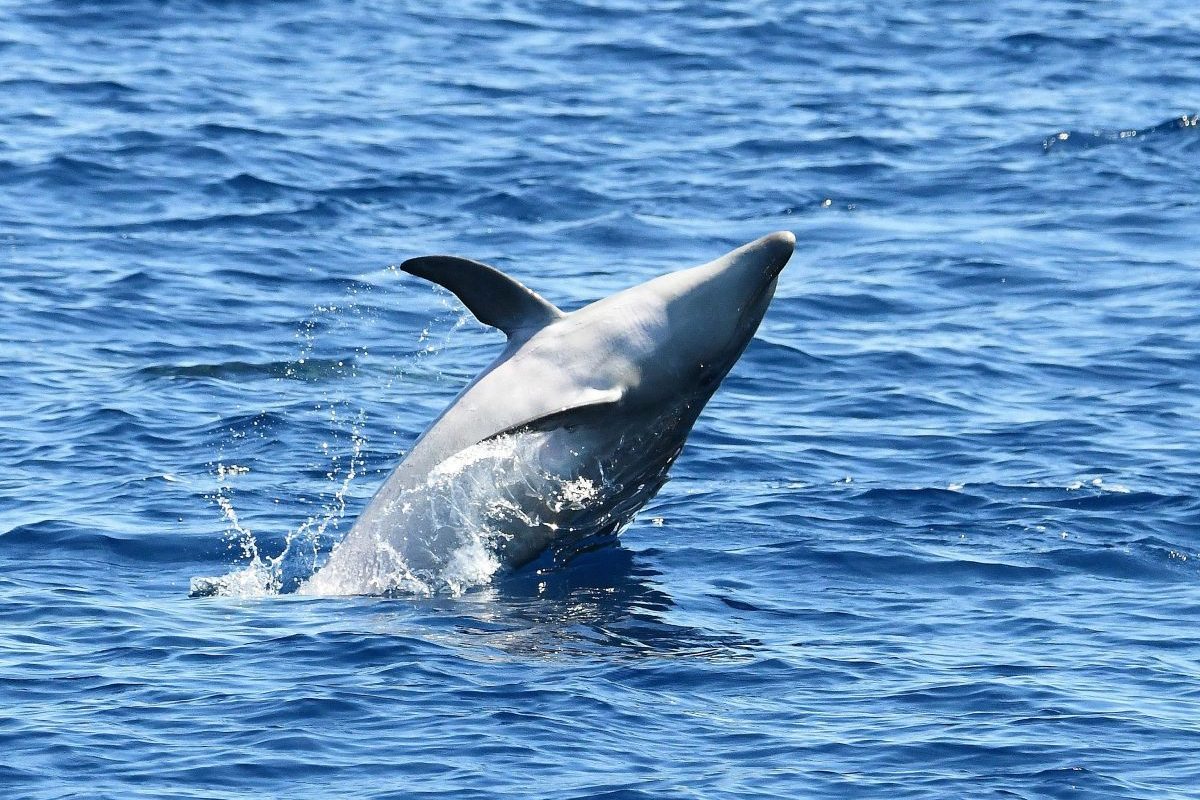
<point>494,298</point>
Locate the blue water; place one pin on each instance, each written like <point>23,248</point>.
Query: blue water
<point>938,534</point>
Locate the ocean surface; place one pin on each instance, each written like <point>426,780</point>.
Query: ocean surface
<point>936,536</point>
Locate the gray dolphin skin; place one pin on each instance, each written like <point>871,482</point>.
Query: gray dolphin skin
<point>605,397</point>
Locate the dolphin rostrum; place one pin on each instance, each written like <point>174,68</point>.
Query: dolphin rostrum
<point>567,433</point>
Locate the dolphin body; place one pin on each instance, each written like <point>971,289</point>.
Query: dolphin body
<point>604,398</point>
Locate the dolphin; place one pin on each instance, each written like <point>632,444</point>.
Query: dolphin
<point>568,433</point>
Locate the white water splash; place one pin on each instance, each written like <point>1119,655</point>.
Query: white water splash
<point>498,500</point>
<point>262,574</point>
<point>265,575</point>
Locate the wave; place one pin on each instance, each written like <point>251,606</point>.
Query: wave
<point>63,536</point>
<point>1183,125</point>
<point>302,369</point>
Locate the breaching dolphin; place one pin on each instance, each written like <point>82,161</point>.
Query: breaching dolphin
<point>604,397</point>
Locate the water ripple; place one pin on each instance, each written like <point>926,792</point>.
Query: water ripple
<point>937,532</point>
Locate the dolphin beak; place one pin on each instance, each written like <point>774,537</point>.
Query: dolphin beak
<point>775,249</point>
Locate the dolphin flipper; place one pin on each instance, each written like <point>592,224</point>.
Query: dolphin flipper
<point>494,298</point>
<point>590,407</point>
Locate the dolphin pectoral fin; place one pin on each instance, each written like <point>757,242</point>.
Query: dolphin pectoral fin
<point>591,409</point>
<point>493,297</point>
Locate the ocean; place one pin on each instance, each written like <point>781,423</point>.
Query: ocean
<point>937,535</point>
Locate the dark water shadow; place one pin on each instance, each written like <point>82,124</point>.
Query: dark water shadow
<point>603,601</point>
